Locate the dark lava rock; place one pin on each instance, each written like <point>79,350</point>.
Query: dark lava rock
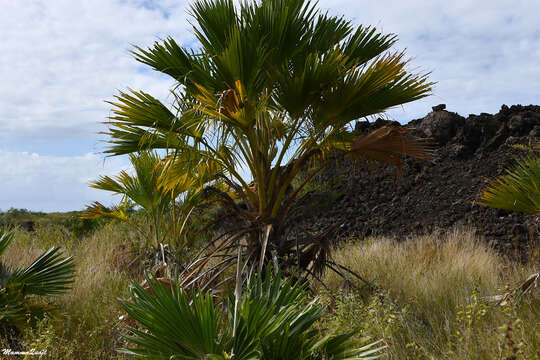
<point>439,193</point>
<point>440,125</point>
<point>439,107</point>
<point>27,225</point>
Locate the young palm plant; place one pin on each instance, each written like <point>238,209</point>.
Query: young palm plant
<point>141,188</point>
<point>272,90</point>
<point>144,190</point>
<point>273,319</point>
<point>49,275</point>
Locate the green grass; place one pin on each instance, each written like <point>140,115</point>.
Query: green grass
<point>70,220</point>
<point>428,303</point>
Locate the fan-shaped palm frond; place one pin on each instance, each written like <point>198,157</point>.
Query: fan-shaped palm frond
<point>141,188</point>
<point>167,189</point>
<point>271,319</point>
<point>518,190</point>
<point>50,274</point>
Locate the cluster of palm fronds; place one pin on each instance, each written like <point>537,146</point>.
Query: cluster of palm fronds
<point>272,90</point>
<point>271,318</point>
<point>269,94</point>
<point>168,209</point>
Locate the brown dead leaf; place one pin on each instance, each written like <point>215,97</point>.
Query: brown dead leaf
<point>388,144</point>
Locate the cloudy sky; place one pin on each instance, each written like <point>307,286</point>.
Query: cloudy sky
<point>62,59</point>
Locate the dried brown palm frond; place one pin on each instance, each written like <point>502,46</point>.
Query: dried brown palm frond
<point>388,144</point>
<point>527,286</point>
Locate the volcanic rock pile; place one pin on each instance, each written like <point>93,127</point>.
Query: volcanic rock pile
<point>436,194</point>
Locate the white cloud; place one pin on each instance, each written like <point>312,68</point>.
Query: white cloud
<point>61,59</point>
<point>52,183</point>
<point>482,54</point>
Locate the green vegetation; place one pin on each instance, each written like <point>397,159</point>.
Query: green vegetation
<point>428,290</point>
<point>267,319</point>
<point>272,90</point>
<point>167,218</point>
<point>48,275</point>
<point>518,190</point>
<point>88,325</point>
<point>34,220</point>
<point>432,298</point>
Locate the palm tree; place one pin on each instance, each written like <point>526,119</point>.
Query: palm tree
<point>273,319</point>
<point>272,90</point>
<point>50,274</point>
<point>518,190</point>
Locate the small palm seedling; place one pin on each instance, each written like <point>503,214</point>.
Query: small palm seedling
<point>49,275</point>
<point>272,319</point>
<point>141,188</point>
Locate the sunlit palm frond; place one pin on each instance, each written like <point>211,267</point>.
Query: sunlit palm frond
<point>97,210</point>
<point>142,187</point>
<point>371,89</point>
<point>518,190</point>
<point>366,44</point>
<point>141,109</point>
<point>158,186</point>
<point>273,86</point>
<point>189,170</point>
<point>167,57</point>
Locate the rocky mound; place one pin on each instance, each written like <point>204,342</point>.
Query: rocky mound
<point>437,194</point>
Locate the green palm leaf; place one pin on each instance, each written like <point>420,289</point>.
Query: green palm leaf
<point>518,190</point>
<point>174,327</point>
<point>50,274</point>
<point>274,320</point>
<point>11,306</point>
<point>6,237</point>
<point>273,87</point>
<point>97,210</point>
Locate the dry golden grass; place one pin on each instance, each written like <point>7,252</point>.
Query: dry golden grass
<point>89,328</point>
<point>429,299</point>
<point>427,307</point>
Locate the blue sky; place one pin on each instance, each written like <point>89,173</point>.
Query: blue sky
<point>61,60</point>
